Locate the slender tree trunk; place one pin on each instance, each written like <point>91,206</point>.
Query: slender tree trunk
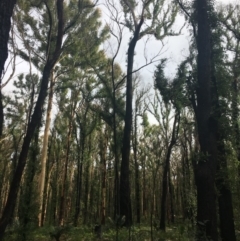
<point>125,199</point>
<point>137,178</point>
<point>87,181</point>
<point>103,152</point>
<point>6,11</point>
<point>116,147</point>
<point>166,172</point>
<point>35,121</point>
<point>65,173</point>
<point>44,153</point>
<point>79,178</point>
<point>171,194</point>
<point>144,191</point>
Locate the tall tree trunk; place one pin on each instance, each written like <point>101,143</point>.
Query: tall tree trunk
<point>166,172</point>
<point>65,171</point>
<point>87,182</point>
<point>144,190</point>
<point>79,178</point>
<point>6,11</point>
<point>137,178</point>
<point>25,209</point>
<point>125,199</point>
<point>206,167</point>
<point>35,121</point>
<point>103,152</point>
<point>224,197</point>
<point>222,179</point>
<point>171,194</point>
<point>44,154</point>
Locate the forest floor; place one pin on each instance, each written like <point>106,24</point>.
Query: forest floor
<point>180,232</point>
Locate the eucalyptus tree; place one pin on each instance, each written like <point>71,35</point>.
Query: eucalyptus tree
<point>159,24</point>
<point>174,93</point>
<point>150,156</point>
<point>140,108</point>
<point>210,106</point>
<point>53,51</point>
<point>81,47</point>
<point>17,115</point>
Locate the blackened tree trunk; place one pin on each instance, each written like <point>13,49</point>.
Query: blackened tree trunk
<point>25,209</point>
<point>166,172</point>
<point>171,193</point>
<point>226,216</point>
<point>125,199</point>
<point>35,121</point>
<point>6,11</point>
<point>206,166</point>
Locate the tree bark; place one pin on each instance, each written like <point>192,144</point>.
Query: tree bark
<point>166,172</point>
<point>6,11</point>
<point>125,199</point>
<point>103,151</point>
<point>44,154</point>
<point>35,121</point>
<point>206,166</point>
<point>65,171</point>
<point>137,178</point>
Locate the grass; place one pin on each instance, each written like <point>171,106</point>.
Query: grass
<point>86,233</point>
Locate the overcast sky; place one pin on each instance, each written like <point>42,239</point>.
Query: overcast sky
<point>175,49</point>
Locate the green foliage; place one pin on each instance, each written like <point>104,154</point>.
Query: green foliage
<point>176,91</point>
<point>181,232</point>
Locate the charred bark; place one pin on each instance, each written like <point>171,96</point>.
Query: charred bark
<point>35,121</point>
<point>166,172</point>
<point>125,199</point>
<point>6,11</point>
<point>206,166</point>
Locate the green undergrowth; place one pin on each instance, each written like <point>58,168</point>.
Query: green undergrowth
<point>86,233</point>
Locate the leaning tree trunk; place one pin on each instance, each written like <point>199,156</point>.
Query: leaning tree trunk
<point>35,121</point>
<point>125,199</point>
<point>6,11</point>
<point>27,197</point>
